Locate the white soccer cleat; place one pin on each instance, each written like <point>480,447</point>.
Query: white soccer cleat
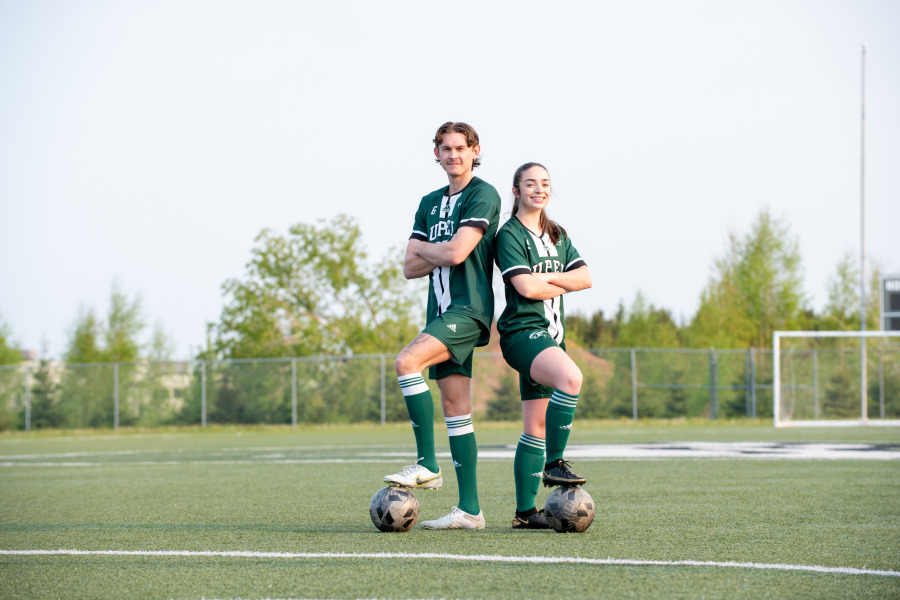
<point>416,477</point>
<point>457,519</point>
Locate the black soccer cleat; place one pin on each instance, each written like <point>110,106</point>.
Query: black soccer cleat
<point>536,520</point>
<point>559,473</point>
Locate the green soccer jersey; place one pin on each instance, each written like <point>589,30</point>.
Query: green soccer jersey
<point>520,251</point>
<point>464,288</point>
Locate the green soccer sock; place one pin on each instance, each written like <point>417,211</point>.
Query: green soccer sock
<point>527,467</point>
<point>560,414</point>
<point>420,406</point>
<point>464,451</point>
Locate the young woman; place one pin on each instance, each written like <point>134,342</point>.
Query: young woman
<point>539,264</point>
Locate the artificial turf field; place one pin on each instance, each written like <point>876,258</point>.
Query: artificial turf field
<point>283,513</point>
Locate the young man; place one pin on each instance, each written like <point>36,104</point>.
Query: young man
<point>451,243</point>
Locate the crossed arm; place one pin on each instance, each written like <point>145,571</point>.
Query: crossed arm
<point>543,286</point>
<point>422,257</point>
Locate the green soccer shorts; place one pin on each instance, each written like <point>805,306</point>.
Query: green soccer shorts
<point>460,333</point>
<point>520,349</point>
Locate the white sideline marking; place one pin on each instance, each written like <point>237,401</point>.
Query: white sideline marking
<point>648,451</point>
<point>462,557</point>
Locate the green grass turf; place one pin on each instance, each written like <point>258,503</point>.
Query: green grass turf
<point>242,489</point>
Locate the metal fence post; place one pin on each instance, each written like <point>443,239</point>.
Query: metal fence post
<point>753,382</point>
<point>816,382</point>
<point>881,383</point>
<point>634,405</point>
<point>713,385</point>
<point>28,400</point>
<point>293,392</point>
<point>747,382</point>
<point>203,393</point>
<point>383,396</point>
<point>116,396</point>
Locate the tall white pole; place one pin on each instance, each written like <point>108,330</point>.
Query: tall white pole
<point>862,239</point>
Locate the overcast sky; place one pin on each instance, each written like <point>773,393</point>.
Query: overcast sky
<point>149,142</point>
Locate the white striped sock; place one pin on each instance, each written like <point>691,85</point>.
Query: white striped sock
<point>459,425</point>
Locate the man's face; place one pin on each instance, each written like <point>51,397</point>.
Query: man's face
<point>456,157</point>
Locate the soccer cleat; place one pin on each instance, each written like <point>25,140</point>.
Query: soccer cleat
<point>416,477</point>
<point>559,473</point>
<point>536,520</point>
<point>457,519</point>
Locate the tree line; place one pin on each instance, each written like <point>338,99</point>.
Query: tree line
<point>314,291</point>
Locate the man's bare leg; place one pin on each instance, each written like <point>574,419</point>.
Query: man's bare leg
<point>425,350</point>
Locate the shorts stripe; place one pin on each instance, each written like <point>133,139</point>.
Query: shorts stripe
<point>534,442</point>
<point>563,399</point>
<point>413,384</point>
<point>459,425</point>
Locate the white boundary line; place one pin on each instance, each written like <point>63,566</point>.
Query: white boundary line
<point>459,557</point>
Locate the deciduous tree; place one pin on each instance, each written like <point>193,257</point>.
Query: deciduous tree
<point>314,291</point>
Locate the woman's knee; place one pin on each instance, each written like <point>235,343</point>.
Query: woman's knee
<point>571,380</point>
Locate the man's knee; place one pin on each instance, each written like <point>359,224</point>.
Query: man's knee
<point>404,364</point>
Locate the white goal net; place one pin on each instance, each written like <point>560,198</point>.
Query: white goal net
<point>824,378</point>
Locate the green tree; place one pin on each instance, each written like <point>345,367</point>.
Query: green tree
<point>84,340</point>
<point>311,292</point>
<point>755,289</point>
<point>46,409</point>
<point>10,354</point>
<point>161,345</point>
<point>123,327</point>
<point>842,309</point>
<point>646,326</point>
<point>315,292</point>
<point>589,331</point>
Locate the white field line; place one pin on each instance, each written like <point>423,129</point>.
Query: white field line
<point>589,452</point>
<point>150,463</point>
<point>459,557</point>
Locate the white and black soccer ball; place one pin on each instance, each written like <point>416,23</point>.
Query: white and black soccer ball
<point>569,509</point>
<point>394,509</point>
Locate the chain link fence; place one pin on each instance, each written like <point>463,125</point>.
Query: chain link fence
<point>629,383</point>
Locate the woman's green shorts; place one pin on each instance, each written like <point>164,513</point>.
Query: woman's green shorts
<point>520,349</point>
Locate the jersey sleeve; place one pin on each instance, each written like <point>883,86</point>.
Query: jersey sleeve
<point>420,227</point>
<point>480,208</point>
<point>511,255</point>
<point>573,259</point>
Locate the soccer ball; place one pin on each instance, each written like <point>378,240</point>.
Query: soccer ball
<point>394,509</point>
<point>569,509</point>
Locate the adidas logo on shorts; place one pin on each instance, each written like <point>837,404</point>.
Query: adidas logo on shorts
<point>452,327</point>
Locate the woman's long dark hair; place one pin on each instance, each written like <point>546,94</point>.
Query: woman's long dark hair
<point>547,226</point>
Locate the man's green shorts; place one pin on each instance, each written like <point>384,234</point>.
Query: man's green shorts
<point>520,349</point>
<point>460,333</point>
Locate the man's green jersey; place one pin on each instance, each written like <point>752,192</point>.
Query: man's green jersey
<point>464,288</point>
<point>520,251</point>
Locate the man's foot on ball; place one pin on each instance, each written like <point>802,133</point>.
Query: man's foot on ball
<point>559,473</point>
<point>416,477</point>
<point>457,519</point>
<point>530,520</point>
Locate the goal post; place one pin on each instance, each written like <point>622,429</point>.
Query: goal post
<point>835,378</point>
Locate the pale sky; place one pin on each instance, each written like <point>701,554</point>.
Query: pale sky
<point>149,142</point>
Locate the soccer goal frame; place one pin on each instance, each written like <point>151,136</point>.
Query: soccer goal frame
<point>777,400</point>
